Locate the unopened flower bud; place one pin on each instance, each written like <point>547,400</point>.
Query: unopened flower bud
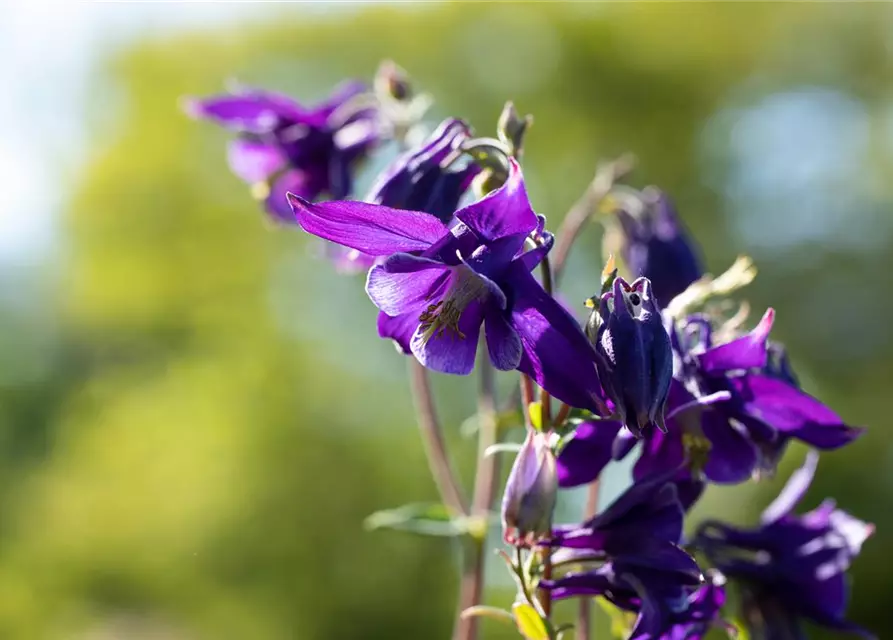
<point>392,81</point>
<point>511,128</point>
<point>636,360</point>
<point>530,492</point>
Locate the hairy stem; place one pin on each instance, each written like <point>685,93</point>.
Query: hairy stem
<point>471,587</point>
<point>584,614</point>
<point>432,436</point>
<point>572,225</point>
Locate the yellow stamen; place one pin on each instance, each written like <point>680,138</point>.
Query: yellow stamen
<point>698,448</point>
<point>442,318</point>
<point>439,319</point>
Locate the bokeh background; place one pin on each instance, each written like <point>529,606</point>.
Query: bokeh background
<point>195,412</point>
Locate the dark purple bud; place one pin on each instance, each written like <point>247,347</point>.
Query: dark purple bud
<point>530,492</point>
<point>636,359</point>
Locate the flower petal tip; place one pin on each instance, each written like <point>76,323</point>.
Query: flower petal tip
<point>192,107</point>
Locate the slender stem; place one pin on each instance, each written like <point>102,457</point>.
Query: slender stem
<point>583,614</point>
<point>472,583</point>
<point>545,594</point>
<point>563,412</point>
<point>519,560</point>
<point>435,448</point>
<point>605,177</point>
<point>545,396</point>
<point>526,397</point>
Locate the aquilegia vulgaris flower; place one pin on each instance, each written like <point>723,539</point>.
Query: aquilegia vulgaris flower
<point>438,285</point>
<point>662,368</point>
<point>731,411</point>
<point>790,567</point>
<point>282,147</point>
<point>638,563</point>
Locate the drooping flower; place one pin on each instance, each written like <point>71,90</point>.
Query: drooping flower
<point>282,147</point>
<point>531,492</point>
<point>438,286</point>
<point>636,363</point>
<point>731,408</point>
<point>418,180</point>
<point>655,244</point>
<point>638,563</point>
<point>790,567</point>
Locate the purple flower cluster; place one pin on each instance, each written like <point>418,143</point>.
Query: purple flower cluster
<point>706,402</point>
<point>283,147</point>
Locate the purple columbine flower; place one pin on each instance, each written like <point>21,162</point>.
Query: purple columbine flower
<point>282,147</point>
<point>636,363</point>
<point>731,410</point>
<point>531,492</point>
<point>643,567</point>
<point>438,286</point>
<point>790,567</point>
<point>656,245</point>
<point>418,180</point>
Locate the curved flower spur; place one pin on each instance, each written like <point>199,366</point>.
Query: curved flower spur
<point>420,179</point>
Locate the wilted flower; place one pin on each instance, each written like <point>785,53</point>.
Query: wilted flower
<point>636,363</point>
<point>643,567</point>
<point>283,147</point>
<point>418,180</point>
<point>790,567</point>
<point>655,244</point>
<point>530,492</point>
<point>439,285</point>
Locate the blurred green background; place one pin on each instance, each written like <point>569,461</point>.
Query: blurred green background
<point>195,412</point>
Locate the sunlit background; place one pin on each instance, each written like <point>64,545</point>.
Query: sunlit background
<point>196,414</point>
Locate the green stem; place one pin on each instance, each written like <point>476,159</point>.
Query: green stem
<point>471,586</point>
<point>579,213</point>
<point>432,436</point>
<point>584,614</point>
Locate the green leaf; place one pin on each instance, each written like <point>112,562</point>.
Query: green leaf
<point>489,612</point>
<point>529,622</point>
<point>429,519</point>
<point>502,447</point>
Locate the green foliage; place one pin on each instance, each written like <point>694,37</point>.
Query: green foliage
<point>529,622</point>
<point>199,415</point>
<point>427,519</point>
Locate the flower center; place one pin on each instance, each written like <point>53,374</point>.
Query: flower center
<point>442,317</point>
<point>698,449</point>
